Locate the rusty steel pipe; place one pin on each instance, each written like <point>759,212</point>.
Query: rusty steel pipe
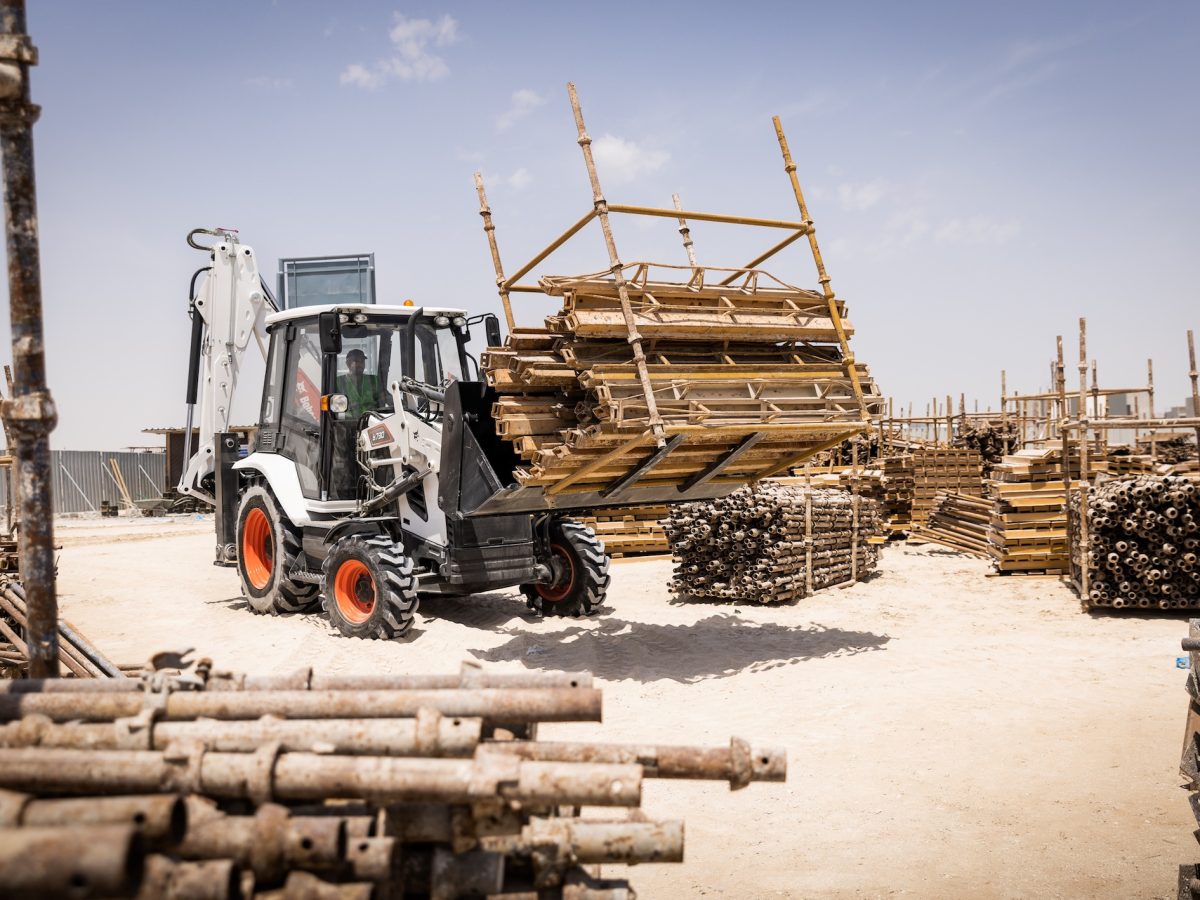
<point>305,776</point>
<point>429,734</point>
<point>29,415</point>
<point>495,705</point>
<point>161,819</point>
<point>468,677</point>
<point>739,764</point>
<point>213,879</point>
<point>270,843</point>
<point>76,861</point>
<point>561,843</point>
<point>372,859</point>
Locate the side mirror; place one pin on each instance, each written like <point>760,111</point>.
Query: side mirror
<point>491,330</point>
<point>331,332</point>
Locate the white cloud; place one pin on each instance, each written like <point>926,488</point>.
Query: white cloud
<point>977,230</point>
<point>413,57</point>
<point>861,196</point>
<point>621,161</point>
<point>520,179</point>
<point>523,103</point>
<point>359,76</point>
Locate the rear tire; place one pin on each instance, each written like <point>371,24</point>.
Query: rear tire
<point>268,547</point>
<point>369,589</point>
<point>584,579</point>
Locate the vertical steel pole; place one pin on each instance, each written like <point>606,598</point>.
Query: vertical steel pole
<point>30,413</point>
<point>618,273</point>
<point>1084,536</point>
<point>685,232</point>
<point>1195,391</point>
<point>490,230</point>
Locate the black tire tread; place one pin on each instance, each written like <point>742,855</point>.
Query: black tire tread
<point>288,595</point>
<point>396,597</point>
<point>593,562</point>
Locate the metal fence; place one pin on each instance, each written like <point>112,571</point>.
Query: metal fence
<point>84,478</point>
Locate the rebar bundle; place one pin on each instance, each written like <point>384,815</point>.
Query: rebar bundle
<point>1143,546</point>
<point>772,543</point>
<point>191,784</point>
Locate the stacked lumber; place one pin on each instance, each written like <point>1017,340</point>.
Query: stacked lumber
<point>750,370</point>
<point>898,486</point>
<point>771,543</point>
<point>959,521</point>
<point>938,470</point>
<point>629,530</point>
<point>1143,543</point>
<point>1029,521</point>
<point>1119,462</point>
<point>191,784</point>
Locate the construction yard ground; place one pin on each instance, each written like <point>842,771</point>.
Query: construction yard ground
<point>948,734</point>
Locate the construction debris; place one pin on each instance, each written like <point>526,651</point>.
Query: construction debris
<point>1029,523</point>
<point>772,543</point>
<point>436,789</point>
<point>1143,544</point>
<point>959,521</point>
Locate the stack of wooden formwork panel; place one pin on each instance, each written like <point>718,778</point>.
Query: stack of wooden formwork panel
<point>939,470</point>
<point>898,492</point>
<point>748,379</point>
<point>1029,519</point>
<point>629,530</point>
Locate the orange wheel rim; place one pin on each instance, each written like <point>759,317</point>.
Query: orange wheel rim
<point>557,594</point>
<point>354,591</point>
<point>258,548</point>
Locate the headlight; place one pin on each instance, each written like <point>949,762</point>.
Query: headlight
<point>360,318</point>
<point>338,403</point>
<point>441,321</point>
<point>460,322</point>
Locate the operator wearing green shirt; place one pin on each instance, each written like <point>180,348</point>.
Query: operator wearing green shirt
<point>361,390</point>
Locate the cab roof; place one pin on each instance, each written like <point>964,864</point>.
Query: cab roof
<point>371,309</point>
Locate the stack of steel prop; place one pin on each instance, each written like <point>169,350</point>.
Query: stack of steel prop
<point>1168,447</point>
<point>746,363</point>
<point>1029,519</point>
<point>898,486</point>
<point>75,652</point>
<point>1143,543</point>
<point>192,784</point>
<point>991,438</point>
<point>958,521</point>
<point>629,530</point>
<point>772,543</point>
<point>936,470</point>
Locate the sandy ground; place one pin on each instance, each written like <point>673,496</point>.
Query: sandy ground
<point>948,734</point>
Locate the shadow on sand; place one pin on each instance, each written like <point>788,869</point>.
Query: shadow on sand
<point>715,647</point>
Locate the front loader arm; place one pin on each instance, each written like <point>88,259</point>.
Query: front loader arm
<point>232,305</point>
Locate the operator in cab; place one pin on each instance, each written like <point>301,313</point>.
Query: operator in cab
<point>361,389</point>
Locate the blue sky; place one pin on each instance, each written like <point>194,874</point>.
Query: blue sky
<point>980,175</point>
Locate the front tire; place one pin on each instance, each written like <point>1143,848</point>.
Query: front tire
<point>582,568</point>
<point>268,547</point>
<point>369,590</point>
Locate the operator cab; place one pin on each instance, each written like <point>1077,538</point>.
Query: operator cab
<point>331,368</point>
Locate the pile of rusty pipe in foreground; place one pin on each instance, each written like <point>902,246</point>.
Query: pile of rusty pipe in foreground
<point>1143,547</point>
<point>772,543</point>
<point>194,784</point>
